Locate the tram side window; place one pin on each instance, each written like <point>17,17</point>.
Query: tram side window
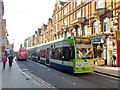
<point>58,53</point>
<point>52,53</point>
<point>66,52</point>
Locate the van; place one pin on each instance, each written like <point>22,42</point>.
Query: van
<point>22,54</point>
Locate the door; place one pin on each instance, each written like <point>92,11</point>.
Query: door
<point>48,56</point>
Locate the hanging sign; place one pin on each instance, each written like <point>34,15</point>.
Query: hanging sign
<point>110,43</point>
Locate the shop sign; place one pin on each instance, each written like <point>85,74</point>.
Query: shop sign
<point>118,36</point>
<point>110,43</point>
<point>96,40</point>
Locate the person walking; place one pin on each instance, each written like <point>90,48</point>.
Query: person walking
<point>4,60</point>
<point>113,58</point>
<point>10,57</point>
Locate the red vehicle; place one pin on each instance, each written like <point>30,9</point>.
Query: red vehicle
<point>22,54</point>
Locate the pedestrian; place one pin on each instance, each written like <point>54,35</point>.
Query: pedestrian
<point>4,60</point>
<point>113,58</point>
<point>10,57</point>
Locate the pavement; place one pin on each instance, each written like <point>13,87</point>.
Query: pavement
<point>16,78</point>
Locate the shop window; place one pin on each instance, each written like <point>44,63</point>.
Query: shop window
<point>85,30</point>
<point>106,25</point>
<point>95,27</point>
<point>99,4</point>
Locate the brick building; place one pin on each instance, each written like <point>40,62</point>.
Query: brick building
<point>97,19</point>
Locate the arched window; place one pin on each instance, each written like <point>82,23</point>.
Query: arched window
<point>106,25</point>
<point>85,30</point>
<point>95,27</point>
<point>78,31</point>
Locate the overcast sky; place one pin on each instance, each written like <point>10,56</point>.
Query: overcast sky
<point>25,16</point>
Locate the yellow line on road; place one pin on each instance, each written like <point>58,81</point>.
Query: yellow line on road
<point>107,76</point>
<point>41,81</point>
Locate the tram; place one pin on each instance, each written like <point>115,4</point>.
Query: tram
<point>70,54</point>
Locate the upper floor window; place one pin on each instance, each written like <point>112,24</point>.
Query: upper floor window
<point>65,11</point>
<point>106,25</point>
<point>56,28</point>
<point>78,2</point>
<point>65,22</point>
<point>99,4</point>
<point>85,30</point>
<point>95,27</point>
<point>56,16</point>
<point>78,14</point>
<point>119,21</point>
<point>83,12</point>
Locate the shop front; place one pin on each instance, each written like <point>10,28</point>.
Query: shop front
<point>118,47</point>
<point>98,51</point>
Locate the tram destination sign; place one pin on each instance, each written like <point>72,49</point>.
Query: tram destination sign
<point>82,40</point>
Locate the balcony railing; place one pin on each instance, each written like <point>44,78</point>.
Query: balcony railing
<point>78,20</point>
<point>99,11</point>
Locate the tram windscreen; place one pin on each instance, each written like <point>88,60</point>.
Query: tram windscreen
<point>83,48</point>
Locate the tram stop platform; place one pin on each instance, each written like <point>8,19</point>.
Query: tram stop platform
<point>14,78</point>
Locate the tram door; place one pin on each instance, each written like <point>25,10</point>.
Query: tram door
<point>48,56</point>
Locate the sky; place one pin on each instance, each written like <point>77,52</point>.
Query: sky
<point>23,17</point>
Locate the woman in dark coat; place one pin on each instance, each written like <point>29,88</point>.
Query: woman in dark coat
<point>10,57</point>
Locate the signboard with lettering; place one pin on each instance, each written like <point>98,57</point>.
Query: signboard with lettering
<point>96,40</point>
<point>82,40</point>
<point>118,36</point>
<point>110,43</point>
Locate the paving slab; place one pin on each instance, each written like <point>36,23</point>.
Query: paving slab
<point>14,78</point>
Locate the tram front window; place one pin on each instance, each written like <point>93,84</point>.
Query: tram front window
<point>83,48</point>
<point>84,53</point>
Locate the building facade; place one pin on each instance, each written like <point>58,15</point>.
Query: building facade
<point>97,19</point>
<point>1,16</point>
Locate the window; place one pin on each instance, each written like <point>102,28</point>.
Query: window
<point>78,14</point>
<point>56,27</point>
<point>65,22</point>
<point>99,4</point>
<point>85,30</point>
<point>95,27</point>
<point>66,53</point>
<point>119,21</point>
<point>65,11</point>
<point>56,17</point>
<point>78,2</point>
<point>78,31</point>
<point>58,53</point>
<point>106,25</point>
<point>83,12</point>
<point>52,53</point>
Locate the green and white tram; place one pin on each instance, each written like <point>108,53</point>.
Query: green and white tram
<point>70,54</point>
